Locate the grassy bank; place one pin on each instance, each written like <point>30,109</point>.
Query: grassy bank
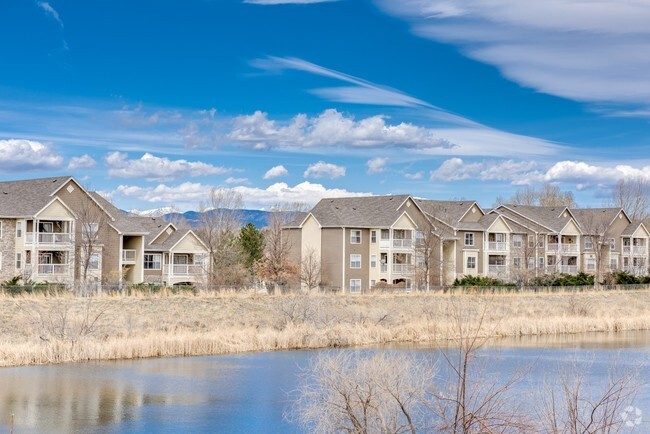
<point>38,329</point>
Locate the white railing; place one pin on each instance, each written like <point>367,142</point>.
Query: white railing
<point>498,270</point>
<point>128,255</point>
<point>55,238</point>
<point>384,268</point>
<point>497,246</point>
<point>51,269</point>
<point>552,247</point>
<point>568,269</point>
<point>402,268</point>
<point>384,244</point>
<point>405,243</point>
<point>569,248</point>
<point>187,269</point>
<point>636,270</point>
<point>639,250</point>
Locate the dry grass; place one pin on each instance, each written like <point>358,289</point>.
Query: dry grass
<point>38,330</point>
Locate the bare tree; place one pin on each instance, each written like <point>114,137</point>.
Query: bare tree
<point>310,270</point>
<point>221,221</point>
<point>633,195</point>
<point>524,251</point>
<point>91,221</point>
<point>547,195</point>
<point>599,241</point>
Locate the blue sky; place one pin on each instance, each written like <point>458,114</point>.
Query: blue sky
<point>154,103</point>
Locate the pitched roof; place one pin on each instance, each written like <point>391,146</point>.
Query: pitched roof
<point>549,217</point>
<point>595,219</point>
<point>369,211</point>
<point>632,228</point>
<point>450,212</point>
<point>26,198</point>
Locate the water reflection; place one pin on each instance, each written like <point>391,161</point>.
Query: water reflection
<point>248,393</point>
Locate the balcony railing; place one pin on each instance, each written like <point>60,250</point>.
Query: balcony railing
<point>187,269</point>
<point>405,243</point>
<point>402,268</point>
<point>52,238</point>
<point>636,270</point>
<point>384,268</point>
<point>635,250</point>
<point>497,246</point>
<point>497,270</point>
<point>564,248</point>
<point>568,269</point>
<point>128,256</point>
<point>53,269</point>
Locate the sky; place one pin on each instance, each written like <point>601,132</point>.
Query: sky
<point>155,103</point>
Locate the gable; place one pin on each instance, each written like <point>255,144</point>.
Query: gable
<point>570,228</point>
<point>189,243</point>
<point>55,210</point>
<point>473,214</point>
<point>641,232</point>
<point>499,226</point>
<point>404,222</point>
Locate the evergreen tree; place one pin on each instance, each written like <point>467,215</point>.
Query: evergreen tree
<point>251,241</point>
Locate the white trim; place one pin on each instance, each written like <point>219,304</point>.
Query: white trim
<point>399,218</point>
<point>526,217</point>
<point>190,231</point>
<point>56,199</point>
<point>305,219</point>
<point>504,222</point>
<point>87,194</point>
<point>163,230</point>
<point>468,210</point>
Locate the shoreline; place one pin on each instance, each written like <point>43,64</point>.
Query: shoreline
<point>49,330</point>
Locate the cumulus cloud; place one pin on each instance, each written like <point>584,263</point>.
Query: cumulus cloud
<point>17,155</point>
<point>232,180</point>
<point>376,165</point>
<point>456,169</point>
<point>189,194</point>
<point>276,172</point>
<point>154,168</point>
<point>414,176</point>
<point>83,162</point>
<point>592,51</point>
<point>332,128</point>
<point>585,173</point>
<point>324,170</point>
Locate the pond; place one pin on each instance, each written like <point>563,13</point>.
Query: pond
<point>249,392</point>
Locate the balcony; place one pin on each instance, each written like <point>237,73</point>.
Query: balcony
<point>128,256</point>
<point>187,270</point>
<point>53,269</point>
<point>406,243</point>
<point>567,269</point>
<point>402,268</point>
<point>384,268</point>
<point>636,270</point>
<point>635,250</point>
<point>497,270</point>
<point>562,248</point>
<point>497,246</point>
<point>49,238</point>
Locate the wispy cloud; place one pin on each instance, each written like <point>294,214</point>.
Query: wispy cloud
<point>376,165</point>
<point>50,11</point>
<point>588,51</point>
<point>287,2</point>
<point>83,162</point>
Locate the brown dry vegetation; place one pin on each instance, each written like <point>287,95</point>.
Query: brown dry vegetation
<point>38,329</point>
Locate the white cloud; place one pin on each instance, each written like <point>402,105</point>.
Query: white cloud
<point>49,10</point>
<point>376,165</point>
<point>332,128</point>
<point>83,162</point>
<point>154,168</point>
<point>17,155</point>
<point>585,173</point>
<point>592,51</point>
<point>414,176</point>
<point>276,172</point>
<point>287,2</point>
<point>188,195</point>
<point>231,180</point>
<point>323,170</point>
<point>456,169</point>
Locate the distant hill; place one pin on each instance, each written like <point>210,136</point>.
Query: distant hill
<point>193,218</point>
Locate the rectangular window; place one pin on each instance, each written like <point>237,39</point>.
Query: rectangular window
<point>373,261</point>
<point>373,237</point>
<point>517,241</point>
<point>591,264</point>
<point>516,263</point>
<point>152,261</point>
<point>373,282</point>
<point>531,263</point>
<point>89,231</point>
<point>612,243</point>
<point>471,262</point>
<point>19,261</point>
<point>93,263</point>
<point>385,234</point>
<point>589,243</point>
<point>540,241</point>
<point>19,229</point>
<point>613,264</point>
<point>541,262</point>
<point>355,261</point>
<point>355,285</point>
<point>469,239</point>
<point>355,236</point>
<point>28,257</point>
<point>531,240</point>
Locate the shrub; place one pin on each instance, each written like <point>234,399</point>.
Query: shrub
<point>481,281</point>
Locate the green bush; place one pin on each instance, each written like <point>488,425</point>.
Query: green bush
<point>481,281</point>
<point>580,279</point>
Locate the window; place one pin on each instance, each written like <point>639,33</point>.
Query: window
<point>471,262</point>
<point>591,264</point>
<point>373,237</point>
<point>89,231</point>
<point>373,282</point>
<point>589,243</point>
<point>355,236</point>
<point>19,261</point>
<point>516,263</point>
<point>613,264</point>
<point>385,234</point>
<point>46,227</point>
<point>612,243</point>
<point>637,262</point>
<point>355,285</point>
<point>469,239</point>
<point>626,262</point>
<point>28,257</point>
<point>19,229</point>
<point>373,261</point>
<point>355,261</point>
<point>541,262</point>
<point>531,263</point>
<point>531,240</point>
<point>540,241</point>
<point>517,241</point>
<point>93,263</point>
<point>152,261</point>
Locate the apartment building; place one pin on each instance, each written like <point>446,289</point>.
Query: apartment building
<point>53,230</point>
<point>365,241</point>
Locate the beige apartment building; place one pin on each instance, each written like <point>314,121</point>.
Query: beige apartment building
<point>363,242</point>
<point>53,230</point>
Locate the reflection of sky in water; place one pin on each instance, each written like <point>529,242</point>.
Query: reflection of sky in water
<point>248,393</point>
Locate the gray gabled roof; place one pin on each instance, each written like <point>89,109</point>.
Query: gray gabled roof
<point>19,199</point>
<point>449,212</point>
<point>632,228</point>
<point>549,217</point>
<point>595,219</point>
<point>124,223</point>
<point>369,211</point>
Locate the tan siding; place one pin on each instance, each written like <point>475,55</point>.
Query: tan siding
<point>357,249</point>
<point>331,257</point>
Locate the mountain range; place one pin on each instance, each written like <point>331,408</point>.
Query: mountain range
<point>193,218</point>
